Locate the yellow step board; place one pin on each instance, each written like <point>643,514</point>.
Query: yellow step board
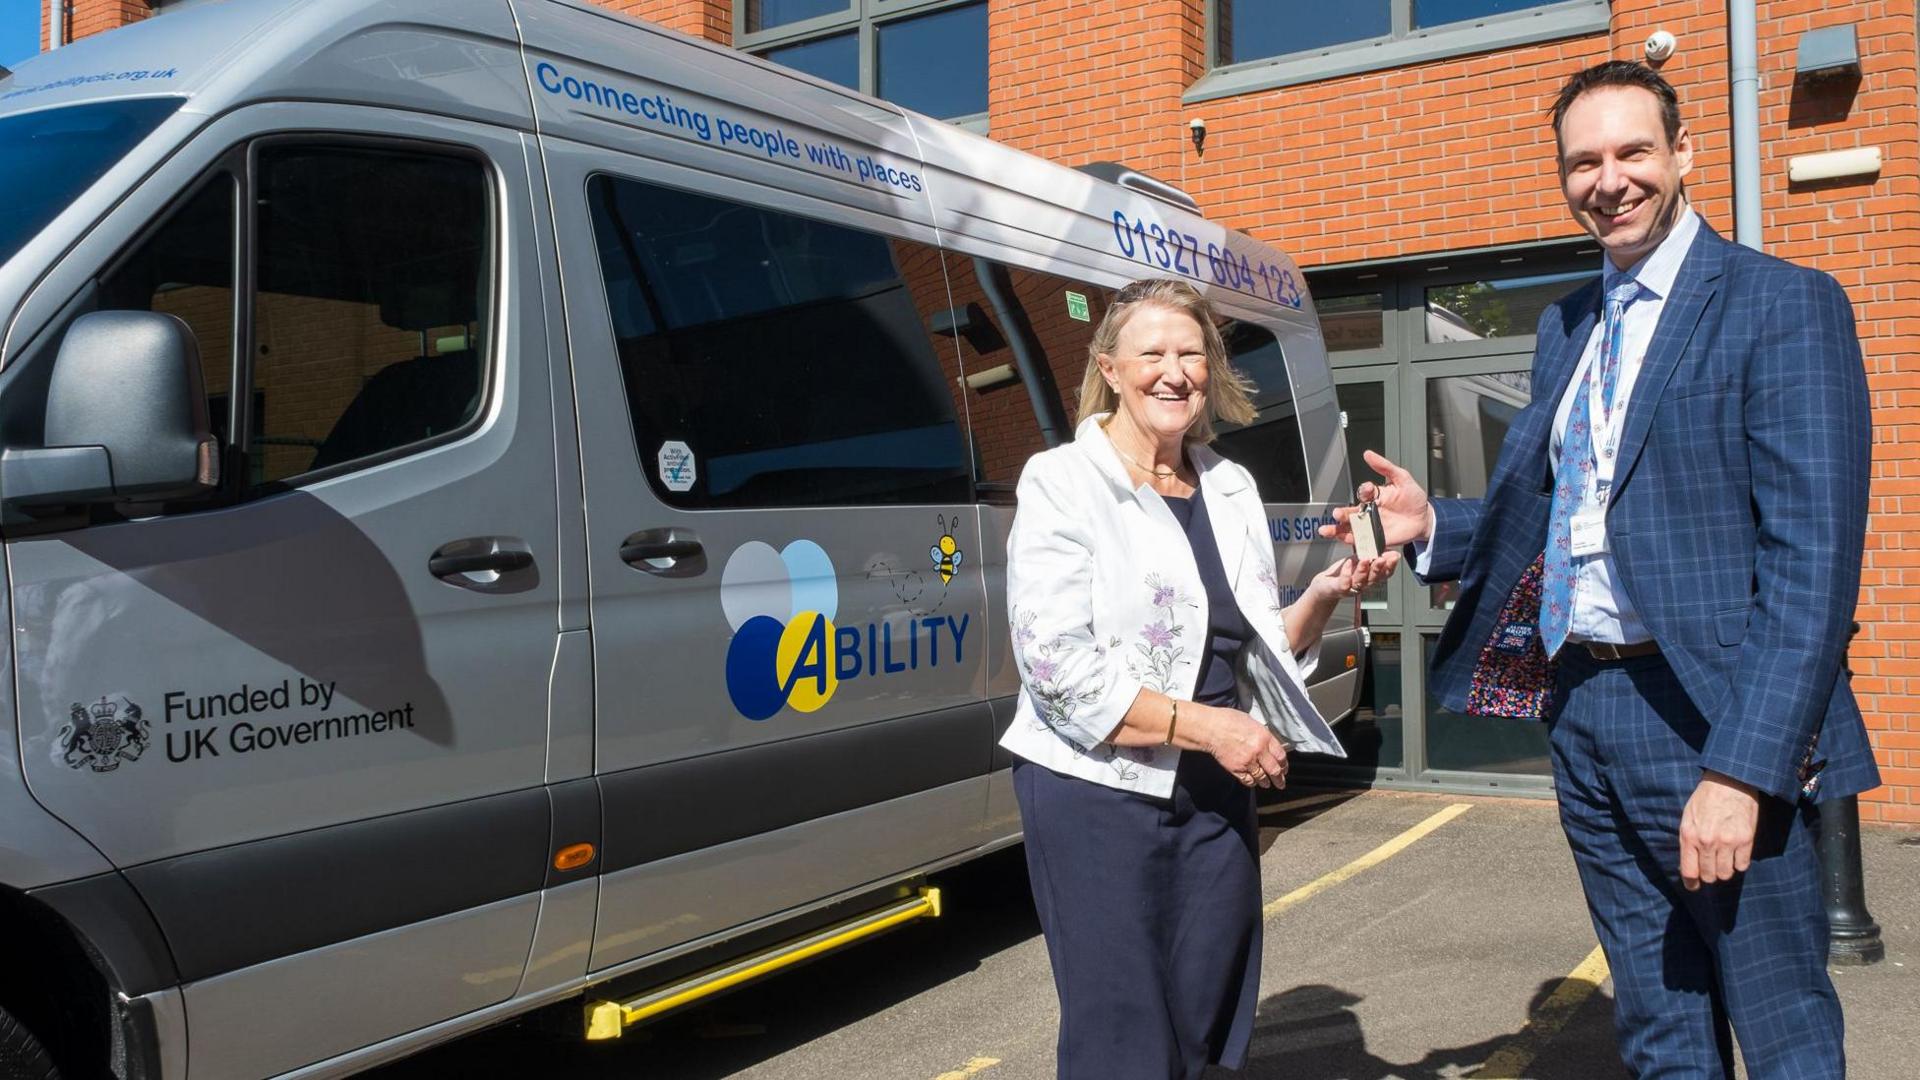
<point>608,1019</point>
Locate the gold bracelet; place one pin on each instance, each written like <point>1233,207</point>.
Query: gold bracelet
<point>1173,720</point>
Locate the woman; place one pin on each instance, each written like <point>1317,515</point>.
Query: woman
<point>1154,654</point>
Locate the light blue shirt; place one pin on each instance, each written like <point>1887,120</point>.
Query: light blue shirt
<point>1602,611</point>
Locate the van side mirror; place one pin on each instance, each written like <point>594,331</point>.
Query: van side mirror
<point>126,417</point>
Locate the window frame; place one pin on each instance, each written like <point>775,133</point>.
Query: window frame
<point>864,18</point>
<point>1404,44</point>
<point>240,165</point>
<point>246,295</point>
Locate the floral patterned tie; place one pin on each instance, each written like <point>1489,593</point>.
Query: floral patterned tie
<point>1576,472</point>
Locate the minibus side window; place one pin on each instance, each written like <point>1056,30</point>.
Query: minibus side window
<point>185,269</point>
<point>370,280</point>
<point>370,304</point>
<point>1024,338</point>
<point>792,359</point>
<point>1270,448</point>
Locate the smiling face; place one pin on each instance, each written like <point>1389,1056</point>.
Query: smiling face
<point>1620,175</point>
<point>1159,369</point>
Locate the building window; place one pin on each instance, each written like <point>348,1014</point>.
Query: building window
<point>1258,44</point>
<point>1254,31</point>
<point>929,56</point>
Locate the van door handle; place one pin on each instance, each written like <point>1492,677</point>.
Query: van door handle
<point>479,555</point>
<point>670,552</point>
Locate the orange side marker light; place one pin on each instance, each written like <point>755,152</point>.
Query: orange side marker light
<point>573,857</point>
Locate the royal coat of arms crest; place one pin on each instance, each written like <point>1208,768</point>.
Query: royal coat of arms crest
<point>104,734</point>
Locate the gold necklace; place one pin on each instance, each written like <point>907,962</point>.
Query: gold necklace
<point>1158,472</point>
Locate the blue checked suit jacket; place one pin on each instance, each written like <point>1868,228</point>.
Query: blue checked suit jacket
<point>1737,518</point>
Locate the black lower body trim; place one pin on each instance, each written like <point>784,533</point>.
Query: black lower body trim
<point>675,807</point>
<point>237,906</point>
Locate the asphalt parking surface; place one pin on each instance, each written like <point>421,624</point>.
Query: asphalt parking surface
<point>1464,950</point>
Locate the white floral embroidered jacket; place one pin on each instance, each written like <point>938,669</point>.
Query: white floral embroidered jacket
<point>1105,598</point>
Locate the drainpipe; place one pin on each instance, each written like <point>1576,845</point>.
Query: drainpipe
<point>1743,50</point>
<point>56,23</point>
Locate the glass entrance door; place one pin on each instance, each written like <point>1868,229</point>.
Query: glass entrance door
<point>1432,365</point>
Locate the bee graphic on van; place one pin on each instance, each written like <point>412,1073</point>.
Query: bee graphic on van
<point>786,649</point>
<point>946,553</point>
<point>104,734</point>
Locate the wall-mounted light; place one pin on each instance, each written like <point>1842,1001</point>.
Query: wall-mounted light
<point>982,381</point>
<point>969,323</point>
<point>1197,130</point>
<point>1827,52</point>
<point>1859,161</point>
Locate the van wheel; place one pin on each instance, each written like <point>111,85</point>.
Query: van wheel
<point>21,1055</point>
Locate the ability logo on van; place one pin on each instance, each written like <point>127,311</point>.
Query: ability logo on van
<point>781,606</point>
<point>786,649</point>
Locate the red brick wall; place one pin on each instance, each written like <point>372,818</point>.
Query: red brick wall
<point>1455,154</point>
<point>85,17</point>
<point>710,19</point>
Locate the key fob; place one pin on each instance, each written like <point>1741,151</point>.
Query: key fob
<point>1369,538</point>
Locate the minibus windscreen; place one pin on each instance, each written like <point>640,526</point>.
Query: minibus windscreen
<point>48,158</point>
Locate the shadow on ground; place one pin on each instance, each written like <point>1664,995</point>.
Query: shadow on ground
<point>1312,1033</point>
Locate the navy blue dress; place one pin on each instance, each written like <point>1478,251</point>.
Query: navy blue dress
<point>1151,907</point>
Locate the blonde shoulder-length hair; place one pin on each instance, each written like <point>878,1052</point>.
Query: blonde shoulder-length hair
<point>1229,393</point>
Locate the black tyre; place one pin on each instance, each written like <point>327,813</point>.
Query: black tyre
<point>21,1055</point>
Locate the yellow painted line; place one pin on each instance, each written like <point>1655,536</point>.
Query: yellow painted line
<point>1511,1060</point>
<point>1371,859</point>
<point>971,1068</point>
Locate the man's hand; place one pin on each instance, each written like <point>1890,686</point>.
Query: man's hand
<point>1404,513</point>
<point>1716,830</point>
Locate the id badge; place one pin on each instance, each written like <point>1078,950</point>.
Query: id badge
<point>1589,531</point>
<point>1368,534</point>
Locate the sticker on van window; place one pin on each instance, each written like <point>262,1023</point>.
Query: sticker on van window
<point>676,466</point>
<point>1077,308</point>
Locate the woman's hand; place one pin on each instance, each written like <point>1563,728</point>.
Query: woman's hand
<point>1352,576</point>
<point>1245,748</point>
<point>1347,578</point>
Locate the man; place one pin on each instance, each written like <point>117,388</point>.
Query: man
<point>1676,520</point>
